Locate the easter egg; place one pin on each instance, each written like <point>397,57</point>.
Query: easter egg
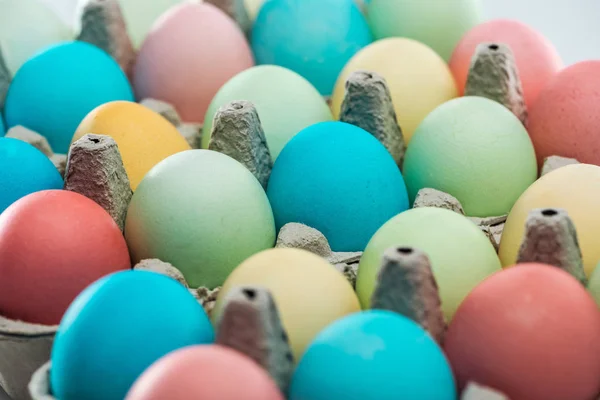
<point>373,355</point>
<point>314,38</point>
<point>418,78</point>
<point>461,255</point>
<point>594,285</point>
<point>531,332</point>
<point>119,326</point>
<point>53,244</point>
<point>439,24</point>
<point>25,170</point>
<point>309,292</point>
<point>252,8</point>
<point>564,120</point>
<point>54,90</point>
<point>201,211</point>
<point>286,103</point>
<point>474,149</point>
<point>2,128</point>
<point>575,188</point>
<point>18,41</point>
<point>144,137</point>
<point>339,179</point>
<point>207,373</point>
<point>191,51</point>
<point>537,59</point>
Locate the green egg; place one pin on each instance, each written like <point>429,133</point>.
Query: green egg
<point>474,149</point>
<point>594,284</point>
<point>286,103</point>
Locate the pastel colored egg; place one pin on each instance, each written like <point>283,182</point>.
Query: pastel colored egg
<point>53,244</point>
<point>373,355</point>
<point>314,38</point>
<point>286,103</point>
<point>207,373</point>
<point>565,118</point>
<point>308,291</point>
<point>409,68</point>
<point>119,326</point>
<point>339,179</point>
<point>252,8</point>
<point>537,59</point>
<point>461,255</point>
<point>594,285</point>
<point>531,332</point>
<point>474,149</point>
<point>439,24</point>
<point>18,41</point>
<point>24,170</point>
<point>575,188</point>
<point>54,90</point>
<point>191,51</point>
<point>144,137</point>
<point>203,212</point>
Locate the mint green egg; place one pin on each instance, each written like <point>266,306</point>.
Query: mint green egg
<point>594,284</point>
<point>201,211</point>
<point>461,255</point>
<point>474,149</point>
<point>286,103</point>
<point>440,24</point>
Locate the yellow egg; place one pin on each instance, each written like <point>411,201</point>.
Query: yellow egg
<point>144,137</point>
<point>418,78</point>
<point>575,188</point>
<point>309,292</point>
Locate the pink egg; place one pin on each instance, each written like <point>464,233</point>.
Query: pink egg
<point>204,373</point>
<point>537,59</point>
<point>191,51</point>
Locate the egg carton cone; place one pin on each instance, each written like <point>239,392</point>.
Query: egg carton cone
<point>103,25</point>
<point>553,163</point>
<point>95,169</point>
<point>250,324</point>
<point>551,238</point>
<point>5,79</point>
<point>192,132</point>
<point>406,285</point>
<point>33,138</point>
<point>24,347</point>
<point>163,108</point>
<point>428,197</point>
<point>368,105</point>
<point>236,9</point>
<point>474,391</point>
<point>493,74</point>
<point>238,133</point>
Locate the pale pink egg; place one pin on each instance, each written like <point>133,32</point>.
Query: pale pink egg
<point>191,51</point>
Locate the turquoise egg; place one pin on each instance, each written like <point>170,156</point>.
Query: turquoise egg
<point>373,355</point>
<point>314,38</point>
<point>56,88</point>
<point>118,327</point>
<point>24,170</point>
<point>339,179</point>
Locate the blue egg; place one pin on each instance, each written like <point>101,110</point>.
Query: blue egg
<point>339,179</point>
<point>55,89</point>
<point>118,327</point>
<point>373,355</point>
<point>314,38</point>
<point>24,170</point>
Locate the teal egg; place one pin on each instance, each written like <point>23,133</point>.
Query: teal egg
<point>118,327</point>
<point>373,355</point>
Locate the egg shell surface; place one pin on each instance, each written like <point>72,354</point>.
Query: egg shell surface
<point>188,55</point>
<point>594,285</point>
<point>205,372</point>
<point>373,355</point>
<point>474,149</point>
<point>55,89</point>
<point>537,59</point>
<point>117,328</point>
<point>532,332</point>
<point>25,170</point>
<point>419,80</point>
<point>575,188</point>
<point>53,244</point>
<point>339,179</point>
<point>201,211</point>
<point>461,255</point>
<point>144,137</point>
<point>285,102</point>
<point>309,293</point>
